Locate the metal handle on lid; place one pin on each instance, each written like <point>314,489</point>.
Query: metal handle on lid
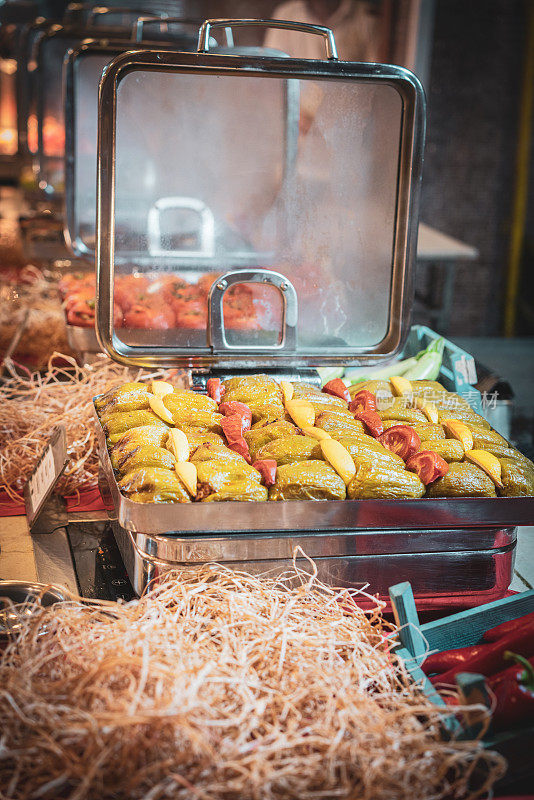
<point>216,330</point>
<point>207,226</point>
<point>163,21</point>
<point>303,27</point>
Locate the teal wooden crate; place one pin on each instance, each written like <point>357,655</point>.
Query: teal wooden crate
<point>462,630</point>
<point>458,371</point>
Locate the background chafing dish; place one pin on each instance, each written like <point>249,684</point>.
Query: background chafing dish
<point>43,50</point>
<point>368,122</point>
<point>82,71</point>
<point>49,51</point>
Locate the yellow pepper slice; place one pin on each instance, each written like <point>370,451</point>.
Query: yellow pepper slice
<point>487,462</point>
<point>339,458</point>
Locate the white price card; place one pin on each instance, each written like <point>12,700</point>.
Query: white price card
<point>46,473</point>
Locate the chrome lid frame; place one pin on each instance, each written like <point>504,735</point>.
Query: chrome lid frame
<point>407,197</point>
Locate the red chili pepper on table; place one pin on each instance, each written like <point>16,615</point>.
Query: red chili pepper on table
<point>493,634</point>
<point>514,693</point>
<point>337,388</point>
<point>449,659</point>
<point>267,468</point>
<point>372,421</point>
<point>364,400</point>
<point>486,658</point>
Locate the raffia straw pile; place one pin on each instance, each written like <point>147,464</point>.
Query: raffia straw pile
<point>220,685</point>
<point>30,407</point>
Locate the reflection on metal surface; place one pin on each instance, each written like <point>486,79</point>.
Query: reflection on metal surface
<point>19,593</point>
<point>439,579</point>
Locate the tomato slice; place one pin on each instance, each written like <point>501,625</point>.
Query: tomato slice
<point>81,313</point>
<point>140,315</point>
<point>267,468</point>
<point>337,388</point>
<point>193,320</point>
<point>401,439</point>
<point>428,465</point>
<point>364,400</point>
<point>242,410</point>
<point>372,422</point>
<point>215,389</point>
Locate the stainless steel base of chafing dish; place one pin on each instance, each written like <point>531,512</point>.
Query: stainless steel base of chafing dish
<point>455,568</point>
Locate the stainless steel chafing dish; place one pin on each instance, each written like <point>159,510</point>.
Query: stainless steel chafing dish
<point>50,49</point>
<point>335,247</point>
<point>83,67</point>
<point>40,94</point>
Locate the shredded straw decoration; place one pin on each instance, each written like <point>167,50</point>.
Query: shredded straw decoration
<point>31,406</point>
<point>218,685</point>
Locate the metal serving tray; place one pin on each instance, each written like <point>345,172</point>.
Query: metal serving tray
<point>312,515</point>
<point>458,569</point>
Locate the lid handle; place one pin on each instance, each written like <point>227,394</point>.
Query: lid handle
<point>216,330</point>
<point>206,220</point>
<point>303,27</point>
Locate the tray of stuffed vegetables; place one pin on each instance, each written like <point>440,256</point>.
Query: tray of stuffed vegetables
<point>386,454</point>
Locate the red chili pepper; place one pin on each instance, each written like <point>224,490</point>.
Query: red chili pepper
<point>231,407</point>
<point>486,658</point>
<point>429,466</point>
<point>504,628</point>
<point>215,389</point>
<point>337,388</point>
<point>364,400</point>
<point>372,422</point>
<point>267,468</point>
<point>401,439</point>
<point>232,428</point>
<point>240,446</point>
<point>449,659</point>
<point>514,693</point>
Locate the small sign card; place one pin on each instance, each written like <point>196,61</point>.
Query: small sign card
<point>46,473</point>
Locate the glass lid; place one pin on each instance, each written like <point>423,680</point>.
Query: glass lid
<point>256,210</point>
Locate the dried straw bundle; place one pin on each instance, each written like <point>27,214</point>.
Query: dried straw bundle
<point>219,685</point>
<point>31,406</point>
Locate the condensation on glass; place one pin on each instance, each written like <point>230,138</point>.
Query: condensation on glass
<point>220,172</point>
